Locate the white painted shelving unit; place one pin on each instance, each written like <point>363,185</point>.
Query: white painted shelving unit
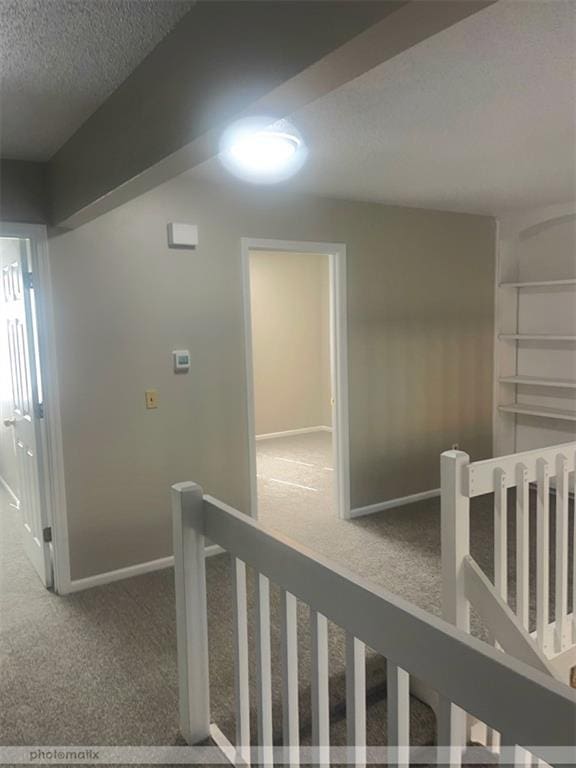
<point>535,339</point>
<point>539,410</point>
<point>544,337</point>
<point>540,284</point>
<point>538,381</point>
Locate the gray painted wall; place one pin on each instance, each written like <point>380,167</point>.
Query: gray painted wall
<point>420,306</point>
<point>23,194</point>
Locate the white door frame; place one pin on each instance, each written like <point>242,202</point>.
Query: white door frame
<point>336,253</point>
<point>53,458</point>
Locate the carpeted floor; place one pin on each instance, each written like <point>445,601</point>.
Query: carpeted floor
<point>99,667</point>
<point>399,548</point>
<point>92,668</point>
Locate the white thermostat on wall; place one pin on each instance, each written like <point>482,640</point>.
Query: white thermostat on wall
<point>181,359</point>
<point>182,235</point>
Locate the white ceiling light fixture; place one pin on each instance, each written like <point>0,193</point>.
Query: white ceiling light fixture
<point>262,150</point>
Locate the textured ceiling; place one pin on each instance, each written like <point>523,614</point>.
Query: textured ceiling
<point>60,59</point>
<point>479,118</point>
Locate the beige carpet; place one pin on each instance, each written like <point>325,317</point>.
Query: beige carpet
<point>398,548</point>
<point>99,667</point>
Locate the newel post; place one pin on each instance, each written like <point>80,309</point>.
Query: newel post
<point>455,524</point>
<point>191,616</point>
<point>455,521</point>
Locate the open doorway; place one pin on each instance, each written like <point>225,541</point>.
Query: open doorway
<point>295,324</point>
<point>30,475</point>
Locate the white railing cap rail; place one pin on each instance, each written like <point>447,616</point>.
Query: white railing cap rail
<point>479,475</point>
<point>502,692</point>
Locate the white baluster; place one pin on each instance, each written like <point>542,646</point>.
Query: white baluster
<point>501,534</point>
<point>522,545</point>
<point>242,681</point>
<point>561,603</point>
<point>320,698</point>
<point>290,717</point>
<point>514,756</point>
<point>356,698</point>
<point>264,670</point>
<point>452,726</point>
<point>542,553</point>
<point>500,562</point>
<point>398,701</point>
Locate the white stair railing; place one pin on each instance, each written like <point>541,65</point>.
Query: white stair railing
<point>467,674</point>
<point>549,644</point>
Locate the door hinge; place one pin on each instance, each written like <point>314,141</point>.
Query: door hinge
<point>47,534</point>
<point>39,410</point>
<point>28,280</point>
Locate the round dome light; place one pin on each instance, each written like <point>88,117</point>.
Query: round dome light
<point>262,152</point>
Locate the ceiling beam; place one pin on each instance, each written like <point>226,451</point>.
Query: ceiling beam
<point>225,60</point>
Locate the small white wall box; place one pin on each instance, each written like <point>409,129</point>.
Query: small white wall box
<point>182,235</point>
<point>181,359</point>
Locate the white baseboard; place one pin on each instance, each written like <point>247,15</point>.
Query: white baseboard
<point>383,505</point>
<point>289,432</point>
<point>10,492</point>
<point>77,585</point>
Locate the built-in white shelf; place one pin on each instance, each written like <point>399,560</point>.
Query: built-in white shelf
<point>541,284</point>
<point>539,410</point>
<point>536,337</point>
<point>539,381</point>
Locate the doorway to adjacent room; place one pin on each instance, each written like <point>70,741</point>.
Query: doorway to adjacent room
<point>31,495</point>
<point>297,380</point>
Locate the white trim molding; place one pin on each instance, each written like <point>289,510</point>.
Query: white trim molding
<point>381,506</point>
<point>139,569</point>
<point>291,432</point>
<point>338,355</point>
<point>55,476</point>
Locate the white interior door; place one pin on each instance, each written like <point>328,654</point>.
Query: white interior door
<point>21,355</point>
